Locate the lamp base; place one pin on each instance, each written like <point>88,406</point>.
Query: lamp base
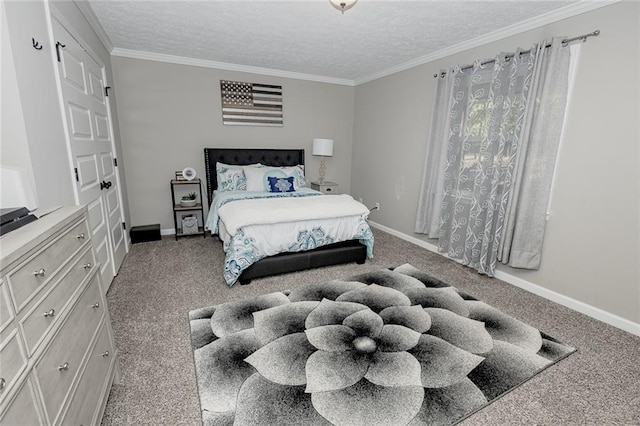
<point>322,170</point>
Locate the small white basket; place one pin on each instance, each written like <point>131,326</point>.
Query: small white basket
<point>190,225</point>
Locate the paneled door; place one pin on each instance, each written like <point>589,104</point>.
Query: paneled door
<point>88,125</point>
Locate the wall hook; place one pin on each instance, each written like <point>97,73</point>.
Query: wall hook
<point>36,44</point>
<point>58,46</point>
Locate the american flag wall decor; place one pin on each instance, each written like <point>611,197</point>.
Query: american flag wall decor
<point>251,104</point>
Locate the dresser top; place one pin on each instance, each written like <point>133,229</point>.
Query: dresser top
<point>19,242</point>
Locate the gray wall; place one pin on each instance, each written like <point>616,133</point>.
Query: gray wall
<point>592,248</point>
<point>35,138</point>
<point>13,133</point>
<point>38,104</point>
<point>169,113</point>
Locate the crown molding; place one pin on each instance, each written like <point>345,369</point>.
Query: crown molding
<point>92,19</point>
<point>181,60</point>
<point>548,18</point>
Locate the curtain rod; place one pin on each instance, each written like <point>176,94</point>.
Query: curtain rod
<point>566,41</point>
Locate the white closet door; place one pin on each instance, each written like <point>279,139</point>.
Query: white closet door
<point>92,151</point>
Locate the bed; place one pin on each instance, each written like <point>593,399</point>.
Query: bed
<point>355,249</point>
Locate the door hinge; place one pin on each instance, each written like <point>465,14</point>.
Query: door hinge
<point>58,46</point>
<point>124,226</point>
<point>75,170</point>
<point>115,162</point>
<point>106,91</point>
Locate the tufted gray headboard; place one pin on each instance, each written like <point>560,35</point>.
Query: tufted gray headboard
<point>244,156</point>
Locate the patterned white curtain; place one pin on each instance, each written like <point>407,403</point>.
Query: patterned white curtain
<point>499,150</point>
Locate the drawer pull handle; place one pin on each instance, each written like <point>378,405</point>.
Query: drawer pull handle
<point>63,367</point>
<point>81,236</point>
<point>51,313</point>
<point>39,273</point>
<point>87,265</point>
<point>96,305</point>
<point>106,353</point>
<point>3,383</point>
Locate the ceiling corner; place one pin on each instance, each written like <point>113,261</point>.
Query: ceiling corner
<point>87,11</point>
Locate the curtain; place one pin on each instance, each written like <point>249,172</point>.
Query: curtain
<point>428,216</point>
<point>525,220</point>
<point>495,159</point>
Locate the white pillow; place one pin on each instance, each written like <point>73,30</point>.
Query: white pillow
<point>255,178</point>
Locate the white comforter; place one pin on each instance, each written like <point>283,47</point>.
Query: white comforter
<point>253,229</point>
<point>270,211</point>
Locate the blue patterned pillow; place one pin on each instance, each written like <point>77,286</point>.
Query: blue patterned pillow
<point>297,172</point>
<point>275,173</point>
<point>231,179</point>
<point>281,184</point>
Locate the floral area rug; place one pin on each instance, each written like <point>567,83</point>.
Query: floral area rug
<point>389,347</point>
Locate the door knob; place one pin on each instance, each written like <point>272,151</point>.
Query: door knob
<point>105,185</point>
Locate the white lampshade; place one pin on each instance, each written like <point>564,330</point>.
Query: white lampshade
<point>323,147</point>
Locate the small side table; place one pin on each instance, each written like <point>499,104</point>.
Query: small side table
<point>326,187</point>
<point>179,209</point>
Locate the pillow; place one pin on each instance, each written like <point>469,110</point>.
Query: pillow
<point>297,172</point>
<point>281,184</point>
<point>269,173</point>
<point>230,178</point>
<point>255,178</point>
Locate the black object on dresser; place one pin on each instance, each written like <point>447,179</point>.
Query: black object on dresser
<point>14,218</point>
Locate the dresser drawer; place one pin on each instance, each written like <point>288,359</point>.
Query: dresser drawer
<point>28,278</point>
<point>23,410</point>
<point>12,361</point>
<point>93,382</point>
<point>61,361</point>
<point>49,310</point>
<point>6,313</point>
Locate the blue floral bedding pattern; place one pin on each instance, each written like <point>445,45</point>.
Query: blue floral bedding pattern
<point>255,242</point>
<point>243,250</point>
<point>308,240</point>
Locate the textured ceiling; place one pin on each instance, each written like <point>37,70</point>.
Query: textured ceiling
<point>309,36</point>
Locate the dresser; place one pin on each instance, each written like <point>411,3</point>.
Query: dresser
<point>57,355</point>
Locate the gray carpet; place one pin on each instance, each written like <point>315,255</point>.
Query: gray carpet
<point>160,282</point>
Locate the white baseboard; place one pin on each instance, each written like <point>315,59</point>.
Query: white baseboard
<point>168,231</point>
<point>576,305</point>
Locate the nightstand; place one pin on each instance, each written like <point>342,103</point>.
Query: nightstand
<point>326,187</point>
<point>190,219</point>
